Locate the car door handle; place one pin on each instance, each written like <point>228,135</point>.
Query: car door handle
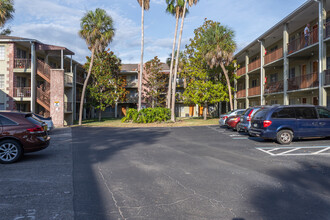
<point>322,123</point>
<point>314,123</point>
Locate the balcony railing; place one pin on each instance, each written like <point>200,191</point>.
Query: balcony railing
<point>67,106</point>
<point>327,30</point>
<point>273,87</point>
<point>327,77</point>
<point>131,83</point>
<point>303,82</point>
<point>68,79</point>
<point>131,100</point>
<point>241,71</point>
<point>254,65</point>
<point>275,55</point>
<point>301,42</point>
<point>80,80</point>
<point>254,91</point>
<point>22,91</point>
<point>241,93</point>
<point>22,63</point>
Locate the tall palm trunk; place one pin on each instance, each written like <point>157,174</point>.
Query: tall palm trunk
<point>84,87</point>
<point>172,62</point>
<point>225,72</point>
<point>177,64</point>
<point>141,64</point>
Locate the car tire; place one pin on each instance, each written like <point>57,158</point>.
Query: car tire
<point>10,151</point>
<point>237,127</point>
<point>284,137</point>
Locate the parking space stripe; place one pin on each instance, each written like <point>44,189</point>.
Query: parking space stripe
<point>320,151</point>
<point>289,150</point>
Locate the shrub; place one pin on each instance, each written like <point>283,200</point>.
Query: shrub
<point>147,115</point>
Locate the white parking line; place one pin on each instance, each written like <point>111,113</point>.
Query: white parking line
<point>278,151</point>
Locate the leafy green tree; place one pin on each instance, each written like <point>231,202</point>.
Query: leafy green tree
<point>218,46</point>
<point>97,30</point>
<point>190,3</point>
<point>154,83</point>
<point>106,87</point>
<point>6,13</point>
<point>145,5</point>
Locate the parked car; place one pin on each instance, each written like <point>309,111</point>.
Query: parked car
<point>233,122</point>
<point>245,122</point>
<point>284,123</point>
<point>223,117</point>
<point>48,121</point>
<point>20,133</point>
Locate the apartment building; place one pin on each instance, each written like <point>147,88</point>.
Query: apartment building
<point>40,78</point>
<point>283,66</point>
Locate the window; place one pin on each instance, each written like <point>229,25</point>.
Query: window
<point>284,113</point>
<point>2,106</point>
<point>273,49</point>
<point>261,113</point>
<point>20,53</point>
<point>273,77</point>
<point>2,52</point>
<point>6,121</point>
<point>305,113</point>
<point>2,81</point>
<point>273,102</point>
<point>254,83</point>
<point>323,113</point>
<point>292,73</point>
<point>20,81</point>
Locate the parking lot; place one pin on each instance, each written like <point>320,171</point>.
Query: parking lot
<point>168,173</point>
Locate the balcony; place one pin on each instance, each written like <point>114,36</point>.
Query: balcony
<point>241,71</point>
<point>254,91</point>
<point>80,80</point>
<point>300,43</point>
<point>241,93</point>
<point>254,65</point>
<point>274,87</point>
<point>22,64</point>
<point>275,55</point>
<point>327,78</point>
<point>327,30</point>
<point>68,79</point>
<point>131,100</point>
<point>67,106</point>
<point>303,82</point>
<point>131,84</point>
<point>22,92</point>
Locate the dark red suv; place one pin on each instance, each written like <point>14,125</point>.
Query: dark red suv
<point>20,133</point>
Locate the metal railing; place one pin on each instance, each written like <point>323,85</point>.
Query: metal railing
<point>273,87</point>
<point>327,30</point>
<point>275,55</point>
<point>22,91</point>
<point>131,83</point>
<point>241,71</point>
<point>43,96</point>
<point>22,63</point>
<point>327,77</point>
<point>68,107</point>
<point>254,91</point>
<point>254,65</point>
<point>303,82</point>
<point>80,80</point>
<point>302,41</point>
<point>43,68</point>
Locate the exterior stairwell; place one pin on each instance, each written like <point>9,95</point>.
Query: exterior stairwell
<point>43,91</point>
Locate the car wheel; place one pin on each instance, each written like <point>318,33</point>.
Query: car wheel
<point>10,151</point>
<point>237,127</point>
<point>284,137</point>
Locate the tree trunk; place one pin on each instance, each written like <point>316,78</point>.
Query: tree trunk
<point>172,62</point>
<point>225,72</point>
<point>205,111</point>
<point>141,63</point>
<point>177,64</point>
<point>100,114</point>
<point>84,87</point>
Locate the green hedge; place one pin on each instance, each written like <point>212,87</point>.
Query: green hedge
<point>147,115</point>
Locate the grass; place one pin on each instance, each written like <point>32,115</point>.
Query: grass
<point>181,122</point>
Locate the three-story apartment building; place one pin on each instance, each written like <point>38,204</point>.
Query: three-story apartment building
<point>40,78</point>
<point>286,66</point>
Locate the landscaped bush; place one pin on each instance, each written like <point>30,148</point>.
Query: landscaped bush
<point>147,115</point>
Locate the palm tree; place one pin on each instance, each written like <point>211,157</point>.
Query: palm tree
<point>175,8</point>
<point>145,5</point>
<point>220,47</point>
<point>190,2</point>
<point>6,13</point>
<point>97,30</point>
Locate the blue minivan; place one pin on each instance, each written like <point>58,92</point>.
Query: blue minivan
<point>286,122</point>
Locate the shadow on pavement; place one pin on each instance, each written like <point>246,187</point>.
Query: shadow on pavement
<point>92,146</point>
<point>292,195</point>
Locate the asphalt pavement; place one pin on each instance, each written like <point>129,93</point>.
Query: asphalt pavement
<point>167,173</point>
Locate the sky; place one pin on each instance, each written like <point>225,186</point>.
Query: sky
<point>57,22</point>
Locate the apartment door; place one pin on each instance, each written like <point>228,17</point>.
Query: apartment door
<point>315,100</point>
<point>304,101</point>
<point>314,34</point>
<point>191,110</point>
<point>315,74</point>
<point>303,77</point>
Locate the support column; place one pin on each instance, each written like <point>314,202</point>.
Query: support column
<point>235,87</point>
<point>62,60</point>
<point>285,64</point>
<point>322,53</point>
<point>247,102</point>
<point>33,77</point>
<point>262,72</point>
<point>74,91</point>
<point>71,64</point>
<point>116,110</point>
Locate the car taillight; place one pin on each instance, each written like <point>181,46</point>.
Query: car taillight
<point>249,116</point>
<point>267,123</point>
<point>36,129</point>
<point>224,118</point>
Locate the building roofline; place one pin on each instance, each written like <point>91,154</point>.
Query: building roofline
<point>277,25</point>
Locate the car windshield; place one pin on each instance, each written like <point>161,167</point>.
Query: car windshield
<point>261,113</point>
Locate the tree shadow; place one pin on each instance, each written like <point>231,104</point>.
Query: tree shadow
<point>301,193</point>
<point>92,146</point>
